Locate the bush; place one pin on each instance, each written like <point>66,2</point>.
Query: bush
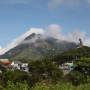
<point>16,76</point>
<point>76,78</point>
<point>17,86</point>
<point>45,86</point>
<point>60,86</point>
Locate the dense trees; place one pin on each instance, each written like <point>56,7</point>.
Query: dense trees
<point>45,74</point>
<point>81,72</point>
<point>73,55</point>
<point>45,70</point>
<point>83,66</point>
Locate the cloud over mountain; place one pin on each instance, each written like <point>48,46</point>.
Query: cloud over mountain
<point>53,30</point>
<point>18,40</point>
<point>56,31</point>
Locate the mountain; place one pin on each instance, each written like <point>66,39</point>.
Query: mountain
<point>37,46</point>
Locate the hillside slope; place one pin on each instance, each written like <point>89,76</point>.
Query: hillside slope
<point>73,54</point>
<point>36,47</point>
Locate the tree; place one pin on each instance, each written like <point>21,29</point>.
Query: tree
<point>45,70</point>
<point>15,76</point>
<point>83,65</point>
<point>17,86</point>
<point>81,72</point>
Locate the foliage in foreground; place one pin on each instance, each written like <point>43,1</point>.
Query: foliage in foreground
<point>17,86</point>
<point>45,86</point>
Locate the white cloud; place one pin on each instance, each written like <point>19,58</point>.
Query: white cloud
<point>15,2</point>
<point>0,47</point>
<point>87,42</point>
<point>53,30</point>
<point>57,3</point>
<point>51,3</point>
<point>1,50</point>
<point>76,34</point>
<point>19,40</point>
<point>54,3</point>
<point>22,37</point>
<point>88,1</point>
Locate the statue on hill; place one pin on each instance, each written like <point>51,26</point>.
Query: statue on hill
<point>80,43</point>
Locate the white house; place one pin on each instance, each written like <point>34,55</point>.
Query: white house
<point>24,67</point>
<point>67,67</point>
<point>20,66</point>
<point>16,65</point>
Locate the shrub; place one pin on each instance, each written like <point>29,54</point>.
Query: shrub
<point>17,86</point>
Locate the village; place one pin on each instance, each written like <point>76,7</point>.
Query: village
<point>18,65</point>
<point>66,67</point>
<point>14,65</point>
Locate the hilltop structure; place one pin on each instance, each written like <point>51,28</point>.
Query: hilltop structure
<point>80,43</point>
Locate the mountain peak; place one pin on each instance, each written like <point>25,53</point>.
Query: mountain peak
<point>33,35</point>
<point>36,47</point>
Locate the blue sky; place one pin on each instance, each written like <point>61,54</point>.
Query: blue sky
<point>17,16</point>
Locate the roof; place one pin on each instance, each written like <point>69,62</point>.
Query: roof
<point>6,63</point>
<point>4,60</point>
<point>69,64</point>
<point>17,62</point>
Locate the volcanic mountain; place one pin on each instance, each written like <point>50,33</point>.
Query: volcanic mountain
<point>37,47</point>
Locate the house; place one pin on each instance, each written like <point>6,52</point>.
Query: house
<point>5,64</point>
<point>24,67</point>
<point>16,65</point>
<point>20,66</point>
<point>67,67</point>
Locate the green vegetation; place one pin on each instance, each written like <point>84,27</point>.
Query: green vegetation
<point>17,86</point>
<point>44,86</point>
<point>46,74</point>
<point>45,70</point>
<point>61,86</point>
<point>73,55</point>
